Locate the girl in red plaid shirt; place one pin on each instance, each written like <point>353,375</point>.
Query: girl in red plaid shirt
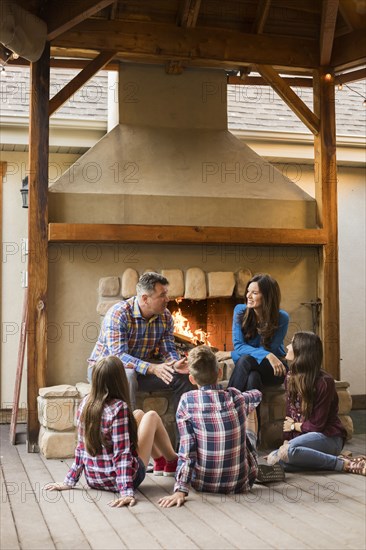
<point>114,444</point>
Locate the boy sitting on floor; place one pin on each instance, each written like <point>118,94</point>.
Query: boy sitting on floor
<point>217,430</point>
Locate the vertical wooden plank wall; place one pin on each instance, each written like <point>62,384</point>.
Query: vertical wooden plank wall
<point>37,238</point>
<point>326,197</point>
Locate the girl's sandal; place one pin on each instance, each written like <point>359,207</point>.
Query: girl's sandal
<point>357,466</point>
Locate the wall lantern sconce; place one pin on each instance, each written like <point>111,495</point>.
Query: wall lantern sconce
<point>24,192</point>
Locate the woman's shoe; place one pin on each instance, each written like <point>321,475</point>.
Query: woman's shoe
<point>272,458</point>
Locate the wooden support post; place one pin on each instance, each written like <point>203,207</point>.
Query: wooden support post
<point>37,239</point>
<point>326,196</point>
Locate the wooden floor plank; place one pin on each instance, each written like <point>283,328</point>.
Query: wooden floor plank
<point>81,502</point>
<point>329,508</point>
<point>24,500</point>
<point>194,526</point>
<point>8,534</point>
<point>325,532</point>
<point>244,510</point>
<point>65,531</point>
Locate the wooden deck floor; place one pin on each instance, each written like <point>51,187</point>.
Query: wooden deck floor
<point>311,510</point>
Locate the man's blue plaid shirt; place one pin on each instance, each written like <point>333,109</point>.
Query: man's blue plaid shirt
<point>135,340</point>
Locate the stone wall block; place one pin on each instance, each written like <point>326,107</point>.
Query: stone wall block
<point>57,444</point>
<point>163,403</point>
<point>195,284</point>
<point>242,277</point>
<point>347,424</point>
<point>271,435</point>
<point>130,279</point>
<point>62,390</point>
<point>158,404</point>
<point>83,389</point>
<point>56,413</point>
<point>176,282</point>
<point>220,284</point>
<point>344,396</point>
<point>109,286</point>
<point>104,305</point>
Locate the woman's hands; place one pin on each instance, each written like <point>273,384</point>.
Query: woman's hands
<point>58,487</point>
<point>123,501</point>
<point>279,368</point>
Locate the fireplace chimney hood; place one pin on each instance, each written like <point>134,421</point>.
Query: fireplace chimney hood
<point>172,161</point>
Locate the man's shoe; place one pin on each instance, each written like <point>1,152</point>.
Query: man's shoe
<point>159,465</point>
<point>170,468</point>
<point>269,474</point>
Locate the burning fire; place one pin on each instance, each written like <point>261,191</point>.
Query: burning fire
<point>182,326</point>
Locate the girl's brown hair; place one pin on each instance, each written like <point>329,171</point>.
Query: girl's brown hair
<point>109,381</point>
<point>271,299</point>
<point>305,369</point>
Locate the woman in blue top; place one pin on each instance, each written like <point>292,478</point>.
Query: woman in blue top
<point>259,328</point>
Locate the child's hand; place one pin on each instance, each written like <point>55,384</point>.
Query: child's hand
<point>123,501</point>
<point>177,499</point>
<point>57,487</point>
<point>181,366</point>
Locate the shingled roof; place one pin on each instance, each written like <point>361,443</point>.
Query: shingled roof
<point>249,107</point>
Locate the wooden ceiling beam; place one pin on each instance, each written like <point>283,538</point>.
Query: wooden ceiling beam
<point>352,76</point>
<point>297,82</point>
<point>261,18</point>
<point>290,98</point>
<point>182,234</point>
<point>349,51</point>
<point>188,13</point>
<point>79,80</point>
<point>61,18</point>
<point>158,42</point>
<point>327,30</point>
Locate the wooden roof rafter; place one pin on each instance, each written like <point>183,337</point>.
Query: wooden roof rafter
<point>290,97</point>
<point>327,30</point>
<point>257,28</point>
<point>60,20</point>
<point>79,80</point>
<point>187,18</point>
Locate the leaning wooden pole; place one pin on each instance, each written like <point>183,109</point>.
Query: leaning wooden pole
<point>37,237</point>
<point>326,196</point>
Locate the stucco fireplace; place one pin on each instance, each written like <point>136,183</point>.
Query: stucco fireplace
<point>171,161</point>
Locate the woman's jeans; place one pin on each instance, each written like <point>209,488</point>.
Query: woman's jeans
<point>249,375</point>
<point>314,451</point>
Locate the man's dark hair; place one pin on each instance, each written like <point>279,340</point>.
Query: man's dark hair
<point>147,282</point>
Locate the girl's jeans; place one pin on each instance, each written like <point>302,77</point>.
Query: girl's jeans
<point>314,451</point>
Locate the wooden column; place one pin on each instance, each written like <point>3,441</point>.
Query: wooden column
<point>326,196</point>
<point>37,237</point>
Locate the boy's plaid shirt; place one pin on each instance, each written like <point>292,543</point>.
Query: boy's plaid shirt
<point>128,335</point>
<point>214,454</point>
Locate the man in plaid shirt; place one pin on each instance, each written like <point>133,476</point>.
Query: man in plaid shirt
<point>217,434</point>
<point>140,332</point>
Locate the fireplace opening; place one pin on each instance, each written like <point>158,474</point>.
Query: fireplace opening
<point>204,321</point>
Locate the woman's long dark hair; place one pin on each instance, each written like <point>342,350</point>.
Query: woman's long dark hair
<point>305,369</point>
<point>271,299</point>
<point>109,381</point>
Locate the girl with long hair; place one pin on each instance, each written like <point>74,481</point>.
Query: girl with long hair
<point>259,329</point>
<point>313,433</point>
<point>114,443</point>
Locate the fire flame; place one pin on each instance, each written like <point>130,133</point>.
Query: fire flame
<point>182,326</point>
